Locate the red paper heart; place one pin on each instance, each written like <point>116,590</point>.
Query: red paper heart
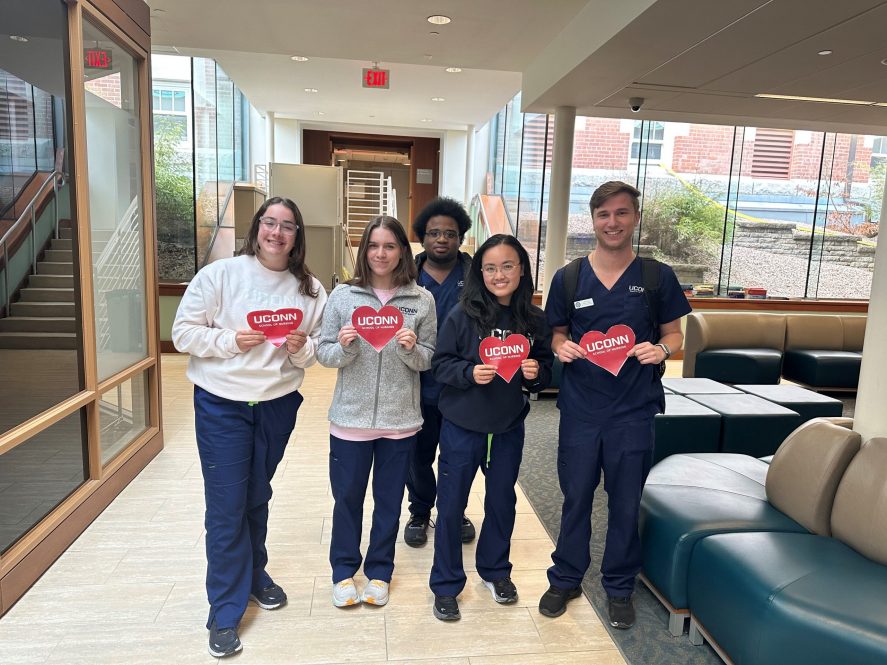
<point>275,324</point>
<point>608,351</point>
<point>377,328</point>
<point>505,355</point>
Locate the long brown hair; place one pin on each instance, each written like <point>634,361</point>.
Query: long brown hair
<point>296,262</point>
<point>405,271</point>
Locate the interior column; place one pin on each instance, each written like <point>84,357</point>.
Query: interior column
<point>559,194</point>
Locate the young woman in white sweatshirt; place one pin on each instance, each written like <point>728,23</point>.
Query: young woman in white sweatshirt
<point>245,400</point>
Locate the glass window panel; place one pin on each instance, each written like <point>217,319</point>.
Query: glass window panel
<point>179,100</point>
<point>205,153</point>
<point>39,341</point>
<point>37,475</point>
<point>511,163</point>
<point>239,134</point>
<point>225,134</point>
<point>155,100</point>
<point>123,414</point>
<point>116,208</point>
<point>536,142</point>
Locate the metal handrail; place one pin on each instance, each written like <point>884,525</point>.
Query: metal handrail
<point>31,210</point>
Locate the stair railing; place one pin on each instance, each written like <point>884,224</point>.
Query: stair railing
<point>29,215</point>
<point>119,267</point>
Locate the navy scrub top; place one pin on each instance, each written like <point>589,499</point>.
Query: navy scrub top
<point>592,394</point>
<point>446,297</point>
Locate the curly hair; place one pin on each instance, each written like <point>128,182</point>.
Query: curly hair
<point>445,207</point>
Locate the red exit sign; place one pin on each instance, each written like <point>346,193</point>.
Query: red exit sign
<point>375,78</point>
<point>97,58</point>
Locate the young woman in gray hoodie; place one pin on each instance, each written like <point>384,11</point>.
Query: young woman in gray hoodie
<point>375,411</point>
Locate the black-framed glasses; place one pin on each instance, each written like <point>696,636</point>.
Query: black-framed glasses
<point>434,234</point>
<point>286,228</point>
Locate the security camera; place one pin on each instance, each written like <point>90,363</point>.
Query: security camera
<point>635,104</point>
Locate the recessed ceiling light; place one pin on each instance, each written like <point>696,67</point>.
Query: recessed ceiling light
<point>311,90</point>
<point>434,33</point>
<point>158,11</point>
<point>439,19</point>
<point>425,120</point>
<point>321,113</point>
<point>824,100</point>
<point>454,70</point>
<point>884,61</point>
<point>299,58</point>
<point>825,52</point>
<point>18,38</point>
<point>438,99</point>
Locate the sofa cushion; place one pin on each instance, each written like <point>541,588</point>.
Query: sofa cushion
<point>697,386</point>
<point>730,330</point>
<point>859,515</point>
<point>781,598</point>
<point>823,368</point>
<point>805,472</point>
<point>854,332</point>
<point>688,497</point>
<point>814,331</point>
<point>740,365</point>
<point>806,403</point>
<point>685,427</point>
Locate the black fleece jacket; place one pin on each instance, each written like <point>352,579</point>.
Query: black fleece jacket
<point>495,407</point>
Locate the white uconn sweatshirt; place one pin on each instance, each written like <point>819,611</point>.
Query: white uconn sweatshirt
<point>214,308</point>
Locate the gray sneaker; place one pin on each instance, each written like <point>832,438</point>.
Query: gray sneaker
<point>345,593</point>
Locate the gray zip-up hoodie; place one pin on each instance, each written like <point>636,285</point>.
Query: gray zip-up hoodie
<point>377,390</point>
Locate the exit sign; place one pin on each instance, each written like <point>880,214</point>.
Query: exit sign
<point>97,58</point>
<point>375,78</point>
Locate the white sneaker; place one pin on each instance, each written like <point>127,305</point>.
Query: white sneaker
<point>375,593</point>
<point>345,593</point>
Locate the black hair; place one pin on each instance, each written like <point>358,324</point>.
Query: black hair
<point>445,207</point>
<point>482,307</point>
<point>405,271</point>
<point>296,263</point>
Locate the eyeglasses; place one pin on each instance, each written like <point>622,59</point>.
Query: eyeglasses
<point>434,234</point>
<point>286,228</point>
<point>505,268</point>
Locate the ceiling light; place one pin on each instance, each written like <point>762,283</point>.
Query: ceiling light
<point>824,100</point>
<point>299,58</point>
<point>18,38</point>
<point>425,120</point>
<point>454,70</point>
<point>438,99</point>
<point>434,33</point>
<point>321,113</point>
<point>439,19</point>
<point>825,52</point>
<point>884,61</point>
<point>311,90</point>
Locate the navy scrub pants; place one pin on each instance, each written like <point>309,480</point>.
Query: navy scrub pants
<point>624,451</point>
<point>421,484</point>
<point>240,447</point>
<point>350,464</point>
<point>462,452</point>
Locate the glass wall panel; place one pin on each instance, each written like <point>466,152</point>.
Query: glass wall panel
<point>116,207</point>
<point>239,152</point>
<point>206,166</point>
<point>512,158</point>
<point>39,328</point>
<point>225,133</point>
<point>123,413</point>
<point>37,475</point>
<point>536,146</point>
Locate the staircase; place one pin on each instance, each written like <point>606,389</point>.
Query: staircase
<point>43,316</point>
<point>368,194</point>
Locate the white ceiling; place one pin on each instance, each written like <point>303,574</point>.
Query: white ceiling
<point>703,61</point>
<point>691,60</point>
<point>491,40</point>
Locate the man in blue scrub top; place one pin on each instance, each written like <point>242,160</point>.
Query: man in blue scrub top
<point>606,421</point>
<point>440,227</point>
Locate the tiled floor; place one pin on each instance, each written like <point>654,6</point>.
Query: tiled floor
<point>130,590</point>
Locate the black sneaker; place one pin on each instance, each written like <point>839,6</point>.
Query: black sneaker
<point>468,531</point>
<point>223,641</point>
<point>503,590</point>
<point>269,598</point>
<point>446,608</point>
<point>414,533</point>
<point>621,612</point>
<point>554,601</point>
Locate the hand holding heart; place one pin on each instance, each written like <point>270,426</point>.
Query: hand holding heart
<point>247,339</point>
<point>295,341</point>
<point>406,338</point>
<point>347,334</point>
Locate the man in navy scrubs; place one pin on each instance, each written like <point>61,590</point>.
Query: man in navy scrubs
<point>606,421</point>
<point>440,227</point>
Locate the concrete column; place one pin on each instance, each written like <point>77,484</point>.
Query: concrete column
<point>269,136</point>
<point>559,194</point>
<point>469,165</point>
<point>871,416</point>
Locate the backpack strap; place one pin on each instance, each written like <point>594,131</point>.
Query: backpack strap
<point>650,280</point>
<point>571,283</point>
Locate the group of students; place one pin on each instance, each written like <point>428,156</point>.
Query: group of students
<point>246,400</point>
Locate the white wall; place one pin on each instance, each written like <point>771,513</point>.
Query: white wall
<point>481,161</point>
<point>287,141</point>
<point>256,141</point>
<point>453,147</point>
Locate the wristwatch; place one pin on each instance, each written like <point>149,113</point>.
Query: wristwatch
<point>666,349</point>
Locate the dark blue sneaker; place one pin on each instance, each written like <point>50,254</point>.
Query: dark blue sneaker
<point>269,598</point>
<point>223,641</point>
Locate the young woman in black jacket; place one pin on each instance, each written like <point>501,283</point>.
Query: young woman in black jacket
<point>483,414</point>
